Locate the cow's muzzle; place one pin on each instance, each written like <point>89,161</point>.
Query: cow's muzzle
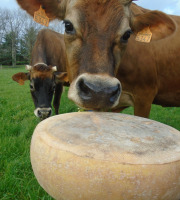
<point>95,91</point>
<point>43,113</point>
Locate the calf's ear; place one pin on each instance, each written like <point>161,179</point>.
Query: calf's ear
<point>20,77</point>
<point>61,77</point>
<point>158,23</point>
<point>53,8</point>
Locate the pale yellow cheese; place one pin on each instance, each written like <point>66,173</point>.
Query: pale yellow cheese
<point>106,156</point>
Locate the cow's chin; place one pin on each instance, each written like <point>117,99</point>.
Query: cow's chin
<point>101,102</point>
<point>95,108</point>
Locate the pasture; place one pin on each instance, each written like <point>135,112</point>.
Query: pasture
<point>17,122</point>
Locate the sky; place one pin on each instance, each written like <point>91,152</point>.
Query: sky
<point>167,6</point>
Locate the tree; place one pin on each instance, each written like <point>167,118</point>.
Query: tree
<point>18,33</point>
<point>27,43</point>
<point>11,24</point>
<point>8,48</point>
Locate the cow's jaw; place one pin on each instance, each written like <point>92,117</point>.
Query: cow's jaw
<point>95,92</point>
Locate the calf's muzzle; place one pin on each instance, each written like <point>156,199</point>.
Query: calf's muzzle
<point>43,113</point>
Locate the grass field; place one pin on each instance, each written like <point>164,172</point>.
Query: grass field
<point>17,123</point>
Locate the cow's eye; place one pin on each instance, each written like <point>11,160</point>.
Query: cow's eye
<point>32,87</point>
<point>69,29</point>
<point>126,36</point>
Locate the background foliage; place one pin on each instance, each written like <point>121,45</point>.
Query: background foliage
<point>17,36</point>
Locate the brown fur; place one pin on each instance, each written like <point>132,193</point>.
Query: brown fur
<point>51,7</point>
<point>48,52</point>
<point>159,30</point>
<point>39,73</point>
<point>150,73</point>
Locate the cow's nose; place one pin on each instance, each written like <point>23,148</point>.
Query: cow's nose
<point>43,113</point>
<point>98,92</point>
<point>88,90</point>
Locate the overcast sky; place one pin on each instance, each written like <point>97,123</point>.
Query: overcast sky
<point>168,6</point>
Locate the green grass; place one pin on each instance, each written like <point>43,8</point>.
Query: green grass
<point>17,123</point>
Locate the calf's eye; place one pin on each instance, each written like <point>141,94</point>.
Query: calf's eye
<point>69,29</point>
<point>126,36</point>
<point>31,87</point>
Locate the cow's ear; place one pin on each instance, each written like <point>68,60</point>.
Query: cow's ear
<point>53,8</point>
<point>61,77</point>
<point>21,77</point>
<point>159,24</point>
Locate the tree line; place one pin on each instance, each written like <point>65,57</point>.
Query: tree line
<point>18,33</point>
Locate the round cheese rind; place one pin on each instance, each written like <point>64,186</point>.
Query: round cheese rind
<point>106,156</point>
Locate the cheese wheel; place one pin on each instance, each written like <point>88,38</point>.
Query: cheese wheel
<point>106,156</point>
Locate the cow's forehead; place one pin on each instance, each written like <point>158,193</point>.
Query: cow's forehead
<point>41,74</point>
<point>98,16</point>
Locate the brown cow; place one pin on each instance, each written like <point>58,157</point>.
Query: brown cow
<point>96,36</point>
<point>45,80</point>
<point>150,73</point>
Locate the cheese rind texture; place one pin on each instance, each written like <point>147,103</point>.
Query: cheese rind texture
<point>109,156</point>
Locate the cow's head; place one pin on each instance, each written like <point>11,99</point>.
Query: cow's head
<point>43,81</point>
<point>96,35</point>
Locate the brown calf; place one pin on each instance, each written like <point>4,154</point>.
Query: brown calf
<point>45,80</point>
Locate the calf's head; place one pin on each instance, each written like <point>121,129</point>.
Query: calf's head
<point>43,81</point>
<point>96,35</point>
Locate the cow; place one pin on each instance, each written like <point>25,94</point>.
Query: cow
<point>47,72</point>
<point>96,37</point>
<point>150,73</point>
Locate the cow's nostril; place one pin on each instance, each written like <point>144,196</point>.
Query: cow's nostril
<point>83,87</point>
<point>85,90</point>
<point>39,113</point>
<point>115,93</point>
<point>49,113</point>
